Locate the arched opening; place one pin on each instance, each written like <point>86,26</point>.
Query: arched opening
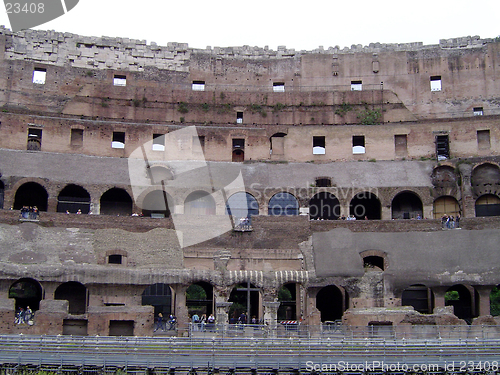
<point>374,262</point>
<point>287,296</point>
<point>365,205</point>
<point>420,297</point>
<point>407,205</point>
<point>2,189</point>
<point>73,198</point>
<point>495,301</point>
<point>160,297</point>
<point>246,299</point>
<point>331,303</point>
<point>157,204</point>
<point>488,205</point>
<point>31,194</point>
<point>159,174</point>
<point>199,203</point>
<point>238,156</point>
<point>242,205</point>
<point>76,294</point>
<point>117,202</point>
<point>460,298</point>
<point>199,299</point>
<point>485,180</point>
<point>324,206</point>
<point>283,204</point>
<point>26,292</point>
<point>444,177</point>
<point>446,206</point>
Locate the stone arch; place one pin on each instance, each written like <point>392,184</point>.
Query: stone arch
<point>73,198</point>
<point>160,297</point>
<point>31,194</point>
<point>444,176</point>
<point>331,301</point>
<point>288,296</point>
<point>241,295</point>
<point>324,206</point>
<point>487,205</point>
<point>26,292</point>
<point>283,204</point>
<point>76,294</point>
<point>445,205</point>
<point>116,201</point>
<point>485,179</point>
<point>241,205</point>
<point>365,204</point>
<point>199,203</point>
<point>461,298</point>
<point>420,297</point>
<point>200,298</point>
<point>407,205</point>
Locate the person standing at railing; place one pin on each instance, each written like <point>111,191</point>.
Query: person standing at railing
<point>195,319</point>
<point>159,322</point>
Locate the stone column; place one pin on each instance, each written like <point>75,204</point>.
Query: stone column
<point>271,315</point>
<point>468,201</point>
<point>484,299</point>
<point>439,293</point>
<point>180,308</point>
<point>222,312</point>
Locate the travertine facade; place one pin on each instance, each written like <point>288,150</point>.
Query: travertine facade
<point>382,132</point>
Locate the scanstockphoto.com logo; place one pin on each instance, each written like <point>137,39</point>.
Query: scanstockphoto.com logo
<point>24,14</point>
<point>169,176</point>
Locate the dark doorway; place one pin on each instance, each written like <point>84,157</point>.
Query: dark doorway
<point>488,205</point>
<point>116,202</point>
<point>26,292</point>
<point>31,194</point>
<point>460,298</point>
<point>238,156</point>
<point>365,205</point>
<point>73,198</point>
<point>287,296</point>
<point>241,295</point>
<point>242,205</point>
<point>199,299</point>
<point>407,205</point>
<point>420,297</point>
<point>283,204</point>
<point>324,206</point>
<point>2,189</point>
<point>331,303</point>
<point>76,294</point>
<point>156,204</point>
<point>160,297</point>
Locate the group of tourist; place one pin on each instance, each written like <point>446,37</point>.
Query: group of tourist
<point>450,222</point>
<point>161,325</point>
<point>24,316</point>
<point>202,323</point>
<point>29,212</point>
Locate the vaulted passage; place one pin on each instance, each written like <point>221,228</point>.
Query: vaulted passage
<point>200,299</point>
<point>407,205</point>
<point>157,204</point>
<point>246,299</point>
<point>242,205</point>
<point>160,297</point>
<point>73,198</point>
<point>324,206</point>
<point>116,202</point>
<point>199,203</point>
<point>420,297</point>
<point>365,205</point>
<point>283,204</point>
<point>31,194</point>
<point>26,292</point>
<point>287,296</point>
<point>330,301</point>
<point>76,294</point>
<point>461,299</point>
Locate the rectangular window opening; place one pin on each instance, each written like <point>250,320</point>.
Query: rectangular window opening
<point>358,144</point>
<point>401,144</point>
<point>158,142</point>
<point>34,139</point>
<point>239,117</point>
<point>442,147</point>
<point>120,80</point>
<point>115,259</point>
<point>76,137</point>
<point>478,111</point>
<point>436,83</point>
<point>278,87</point>
<point>356,85</point>
<point>118,140</point>
<point>238,143</point>
<point>198,86</point>
<point>39,75</point>
<point>483,139</point>
<point>319,145</point>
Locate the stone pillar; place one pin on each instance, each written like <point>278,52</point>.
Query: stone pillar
<point>468,201</point>
<point>484,299</point>
<point>180,308</point>
<point>439,293</point>
<point>271,315</point>
<point>222,312</point>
